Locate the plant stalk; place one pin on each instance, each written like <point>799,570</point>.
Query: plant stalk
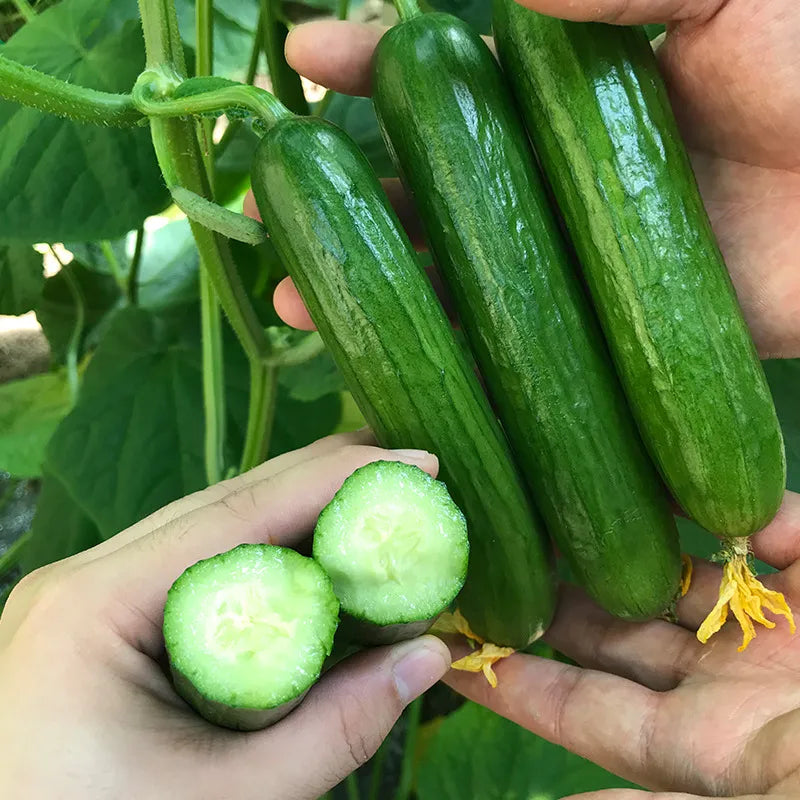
<point>407,9</point>
<point>210,313</point>
<point>133,270</point>
<point>263,397</point>
<point>182,164</point>
<point>25,9</point>
<point>29,87</point>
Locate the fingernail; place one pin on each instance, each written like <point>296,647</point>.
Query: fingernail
<point>413,455</point>
<point>418,665</point>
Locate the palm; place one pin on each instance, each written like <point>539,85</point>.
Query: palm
<point>733,84</point>
<point>652,704</point>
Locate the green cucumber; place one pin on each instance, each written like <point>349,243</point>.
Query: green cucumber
<point>247,633</point>
<point>395,546</point>
<point>599,117</point>
<point>450,123</point>
<point>358,275</point>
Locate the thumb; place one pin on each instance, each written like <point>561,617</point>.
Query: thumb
<point>342,721</point>
<point>627,12</point>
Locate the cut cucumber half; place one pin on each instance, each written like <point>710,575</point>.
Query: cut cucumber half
<point>247,633</point>
<point>395,546</point>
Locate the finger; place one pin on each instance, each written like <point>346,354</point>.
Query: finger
<point>339,725</point>
<point>289,306</point>
<point>627,12</point>
<point>636,794</point>
<point>656,654</point>
<point>779,543</point>
<point>218,491</point>
<point>131,583</point>
<point>335,54</point>
<point>703,593</point>
<point>602,717</point>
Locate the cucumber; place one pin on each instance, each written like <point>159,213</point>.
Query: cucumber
<point>247,633</point>
<point>598,114</point>
<point>358,275</point>
<point>450,123</point>
<point>395,546</point>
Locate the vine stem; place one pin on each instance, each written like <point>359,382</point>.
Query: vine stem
<point>263,397</point>
<point>178,152</point>
<point>113,264</point>
<point>133,271</point>
<point>407,9</point>
<point>29,87</point>
<point>25,9</point>
<point>213,359</point>
<point>74,344</point>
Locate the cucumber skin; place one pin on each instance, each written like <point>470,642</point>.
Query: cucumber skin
<point>600,119</point>
<point>358,275</point>
<point>233,717</point>
<point>363,631</point>
<point>450,124</point>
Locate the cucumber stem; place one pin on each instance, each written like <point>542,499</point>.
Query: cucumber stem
<point>35,89</point>
<point>407,9</point>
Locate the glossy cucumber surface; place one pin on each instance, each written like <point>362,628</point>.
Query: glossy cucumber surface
<point>598,114</point>
<point>450,123</point>
<point>341,242</point>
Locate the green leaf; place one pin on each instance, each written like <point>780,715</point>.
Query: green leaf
<point>133,442</point>
<point>357,116</point>
<point>313,379</point>
<point>91,255</point>
<point>168,273</point>
<point>476,753</point>
<point>235,22</point>
<point>478,13</point>
<point>784,381</point>
<point>60,528</point>
<point>653,31</point>
<point>30,410</point>
<point>56,309</point>
<point>62,180</point>
<point>21,277</point>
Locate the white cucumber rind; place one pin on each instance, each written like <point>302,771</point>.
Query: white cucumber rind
<point>252,687</point>
<point>426,572</point>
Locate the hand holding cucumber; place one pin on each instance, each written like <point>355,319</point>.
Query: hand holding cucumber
<point>88,709</point>
<point>656,718</point>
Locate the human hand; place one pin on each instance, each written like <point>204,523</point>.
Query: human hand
<point>652,704</point>
<point>88,711</point>
<point>731,67</point>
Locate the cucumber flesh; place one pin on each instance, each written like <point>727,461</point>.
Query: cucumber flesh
<point>395,546</point>
<point>247,632</point>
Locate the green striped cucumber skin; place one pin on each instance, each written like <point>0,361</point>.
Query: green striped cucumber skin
<point>600,119</point>
<point>451,126</point>
<point>376,310</point>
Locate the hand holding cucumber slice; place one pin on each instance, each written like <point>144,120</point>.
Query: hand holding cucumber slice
<point>395,546</point>
<point>247,632</point>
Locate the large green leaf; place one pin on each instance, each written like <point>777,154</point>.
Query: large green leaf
<point>478,13</point>
<point>30,410</point>
<point>235,22</point>
<point>21,277</point>
<point>60,528</point>
<point>133,442</point>
<point>475,753</point>
<point>357,116</point>
<point>57,309</point>
<point>62,180</point>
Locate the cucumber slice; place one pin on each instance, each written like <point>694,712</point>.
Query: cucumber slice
<point>247,633</point>
<point>395,546</point>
